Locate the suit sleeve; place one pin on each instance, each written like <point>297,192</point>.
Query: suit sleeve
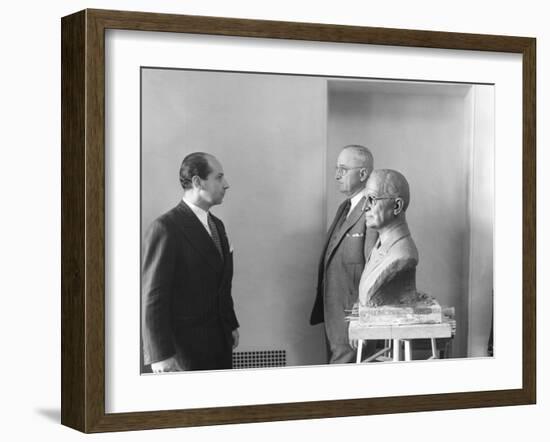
<point>229,315</point>
<point>233,322</point>
<point>159,259</point>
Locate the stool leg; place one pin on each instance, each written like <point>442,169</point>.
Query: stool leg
<point>408,353</point>
<point>434,349</point>
<point>396,350</point>
<point>359,351</point>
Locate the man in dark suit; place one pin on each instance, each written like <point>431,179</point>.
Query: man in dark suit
<point>188,319</point>
<point>343,259</point>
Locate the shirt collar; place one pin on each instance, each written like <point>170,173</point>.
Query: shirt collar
<point>354,200</point>
<point>201,214</point>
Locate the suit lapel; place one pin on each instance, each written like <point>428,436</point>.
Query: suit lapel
<point>379,252</point>
<point>197,235</point>
<point>336,218</point>
<point>351,220</point>
<point>324,255</point>
<point>375,256</point>
<point>353,216</point>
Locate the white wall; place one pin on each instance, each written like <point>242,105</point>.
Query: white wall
<point>481,204</point>
<point>268,131</point>
<point>30,193</point>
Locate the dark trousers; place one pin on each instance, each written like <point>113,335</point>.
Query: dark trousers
<point>209,350</point>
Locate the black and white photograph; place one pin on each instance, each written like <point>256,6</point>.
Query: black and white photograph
<point>300,220</point>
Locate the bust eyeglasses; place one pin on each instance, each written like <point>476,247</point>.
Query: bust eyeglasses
<point>371,200</point>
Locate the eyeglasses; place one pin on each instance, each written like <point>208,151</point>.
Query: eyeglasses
<point>342,170</point>
<point>371,200</point>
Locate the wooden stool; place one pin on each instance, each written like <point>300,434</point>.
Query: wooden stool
<point>394,335</point>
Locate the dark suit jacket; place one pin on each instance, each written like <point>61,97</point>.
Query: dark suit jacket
<point>187,308</point>
<point>340,268</point>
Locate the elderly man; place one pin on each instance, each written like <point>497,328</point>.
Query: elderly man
<point>347,245</point>
<point>390,274</point>
<point>188,320</point>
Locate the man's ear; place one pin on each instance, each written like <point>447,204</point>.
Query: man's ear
<point>398,206</point>
<point>363,174</point>
<point>196,181</point>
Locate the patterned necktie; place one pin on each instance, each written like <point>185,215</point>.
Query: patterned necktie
<point>215,235</point>
<point>343,215</point>
<point>334,236</point>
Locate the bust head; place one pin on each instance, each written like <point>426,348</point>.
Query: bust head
<point>388,196</point>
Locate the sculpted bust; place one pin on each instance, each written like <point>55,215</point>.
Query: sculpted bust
<point>389,276</point>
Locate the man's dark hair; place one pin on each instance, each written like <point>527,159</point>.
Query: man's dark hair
<point>194,164</point>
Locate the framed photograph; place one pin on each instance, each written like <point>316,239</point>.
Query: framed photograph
<point>231,190</point>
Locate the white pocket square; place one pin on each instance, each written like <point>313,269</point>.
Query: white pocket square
<point>356,235</point>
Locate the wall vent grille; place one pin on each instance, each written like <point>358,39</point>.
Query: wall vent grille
<point>259,359</point>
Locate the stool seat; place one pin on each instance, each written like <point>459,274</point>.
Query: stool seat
<point>396,335</point>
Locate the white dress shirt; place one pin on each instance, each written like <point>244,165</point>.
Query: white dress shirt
<point>201,214</point>
<point>354,201</point>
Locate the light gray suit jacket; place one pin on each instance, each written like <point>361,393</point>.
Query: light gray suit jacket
<point>340,267</point>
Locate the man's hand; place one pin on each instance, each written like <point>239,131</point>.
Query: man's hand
<point>235,334</point>
<point>353,343</point>
<point>168,365</point>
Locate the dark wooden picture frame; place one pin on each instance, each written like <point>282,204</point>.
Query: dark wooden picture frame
<point>83,220</point>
